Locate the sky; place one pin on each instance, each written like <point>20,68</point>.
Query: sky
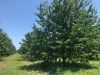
<point>17,17</point>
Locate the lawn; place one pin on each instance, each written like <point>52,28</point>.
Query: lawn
<point>14,65</point>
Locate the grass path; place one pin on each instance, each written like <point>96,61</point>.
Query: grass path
<point>12,66</point>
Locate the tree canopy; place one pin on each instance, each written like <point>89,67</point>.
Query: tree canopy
<point>67,33</point>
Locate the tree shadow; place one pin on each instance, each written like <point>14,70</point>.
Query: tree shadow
<point>1,59</point>
<point>53,68</point>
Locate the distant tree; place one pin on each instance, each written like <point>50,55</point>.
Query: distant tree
<point>67,32</point>
<point>30,46</point>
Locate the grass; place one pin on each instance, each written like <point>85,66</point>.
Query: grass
<point>14,65</point>
<point>11,66</point>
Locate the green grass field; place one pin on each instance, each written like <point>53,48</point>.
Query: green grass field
<point>14,65</point>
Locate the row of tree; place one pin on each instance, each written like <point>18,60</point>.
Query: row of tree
<point>68,32</point>
<point>6,46</point>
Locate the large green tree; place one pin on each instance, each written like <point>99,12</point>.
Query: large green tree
<point>67,32</point>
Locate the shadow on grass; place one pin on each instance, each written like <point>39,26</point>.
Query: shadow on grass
<point>1,59</point>
<point>53,68</point>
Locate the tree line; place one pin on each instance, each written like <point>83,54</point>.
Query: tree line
<point>6,46</point>
<point>69,32</point>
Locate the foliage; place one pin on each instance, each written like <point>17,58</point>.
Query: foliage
<point>67,33</point>
<point>98,35</point>
<point>6,45</point>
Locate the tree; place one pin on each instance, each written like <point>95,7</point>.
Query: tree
<point>30,47</point>
<point>6,46</point>
<point>97,26</point>
<point>67,32</point>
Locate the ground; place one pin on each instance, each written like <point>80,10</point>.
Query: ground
<point>14,65</point>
